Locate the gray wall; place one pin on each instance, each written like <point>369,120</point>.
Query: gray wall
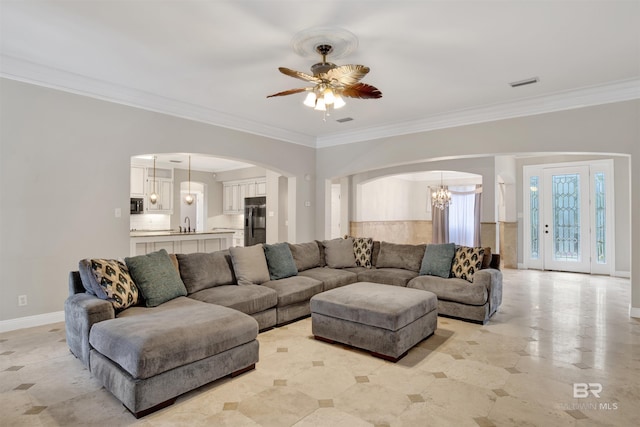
<point>606,130</point>
<point>64,169</point>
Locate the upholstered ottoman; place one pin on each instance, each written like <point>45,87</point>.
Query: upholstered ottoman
<point>386,320</point>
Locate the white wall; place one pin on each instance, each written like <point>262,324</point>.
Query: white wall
<point>64,169</point>
<point>483,167</point>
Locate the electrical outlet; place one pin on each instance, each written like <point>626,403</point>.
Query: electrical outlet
<point>22,300</point>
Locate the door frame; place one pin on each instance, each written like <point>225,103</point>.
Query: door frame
<point>594,166</point>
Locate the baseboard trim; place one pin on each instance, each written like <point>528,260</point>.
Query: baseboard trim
<point>623,274</point>
<point>522,266</point>
<point>634,311</point>
<point>31,321</point>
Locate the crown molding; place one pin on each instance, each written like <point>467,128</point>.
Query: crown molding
<point>624,90</point>
<point>29,72</point>
<point>15,68</point>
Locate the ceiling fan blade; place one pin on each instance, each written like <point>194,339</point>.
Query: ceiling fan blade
<point>347,74</point>
<point>361,90</point>
<point>299,75</point>
<point>289,92</point>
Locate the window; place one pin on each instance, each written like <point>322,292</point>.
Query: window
<point>600,218</point>
<point>534,215</point>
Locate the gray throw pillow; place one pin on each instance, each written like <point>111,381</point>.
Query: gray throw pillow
<point>437,260</point>
<point>306,255</point>
<point>205,270</point>
<point>338,253</point>
<point>280,261</point>
<point>250,265</point>
<point>88,280</point>
<point>156,277</point>
<point>407,257</point>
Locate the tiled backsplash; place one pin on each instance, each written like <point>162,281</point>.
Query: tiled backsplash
<point>150,222</point>
<point>225,221</point>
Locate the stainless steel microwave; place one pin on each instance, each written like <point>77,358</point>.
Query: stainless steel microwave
<point>137,205</point>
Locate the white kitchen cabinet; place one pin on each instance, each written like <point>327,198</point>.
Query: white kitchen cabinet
<point>230,197</point>
<point>137,181</point>
<point>163,178</point>
<point>164,189</point>
<point>238,238</point>
<point>234,193</point>
<point>261,187</point>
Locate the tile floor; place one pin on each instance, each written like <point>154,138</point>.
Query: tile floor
<point>553,330</point>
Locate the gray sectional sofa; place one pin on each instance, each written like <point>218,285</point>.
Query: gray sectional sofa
<point>148,354</point>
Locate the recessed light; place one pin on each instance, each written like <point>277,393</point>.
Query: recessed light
<point>528,81</point>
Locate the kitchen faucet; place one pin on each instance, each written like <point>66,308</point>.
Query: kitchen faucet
<point>189,222</point>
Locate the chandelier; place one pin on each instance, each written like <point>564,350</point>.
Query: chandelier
<point>441,198</point>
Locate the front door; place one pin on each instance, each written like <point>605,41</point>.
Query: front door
<point>565,226</point>
<point>568,222</point>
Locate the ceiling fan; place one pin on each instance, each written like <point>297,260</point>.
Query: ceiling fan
<point>332,83</point>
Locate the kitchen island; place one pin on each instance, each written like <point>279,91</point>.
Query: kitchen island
<point>144,242</point>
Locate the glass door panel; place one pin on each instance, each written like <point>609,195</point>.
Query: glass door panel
<point>566,219</point>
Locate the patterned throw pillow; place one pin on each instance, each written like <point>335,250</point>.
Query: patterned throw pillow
<point>363,249</point>
<point>466,262</point>
<point>115,282</point>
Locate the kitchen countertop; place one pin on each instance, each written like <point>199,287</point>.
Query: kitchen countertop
<point>141,233</point>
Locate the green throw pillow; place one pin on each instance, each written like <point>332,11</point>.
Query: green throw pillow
<point>280,261</point>
<point>156,277</point>
<point>437,260</point>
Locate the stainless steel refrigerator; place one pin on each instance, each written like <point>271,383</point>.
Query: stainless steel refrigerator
<point>255,220</point>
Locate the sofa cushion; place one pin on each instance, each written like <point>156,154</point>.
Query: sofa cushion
<point>387,276</point>
<point>331,277</point>
<point>158,341</point>
<point>363,249</point>
<point>293,290</point>
<point>407,257</point>
<point>437,260</point>
<point>109,279</point>
<point>205,270</point>
<point>156,277</point>
<point>452,289</point>
<point>375,251</point>
<point>280,261</point>
<point>249,264</point>
<point>305,255</point>
<point>466,262</point>
<point>249,299</point>
<point>338,253</point>
<point>487,258</point>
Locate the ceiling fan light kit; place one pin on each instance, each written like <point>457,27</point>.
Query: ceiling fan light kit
<point>332,82</point>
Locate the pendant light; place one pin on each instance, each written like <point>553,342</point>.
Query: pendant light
<point>188,199</point>
<point>153,197</point>
<point>441,198</point>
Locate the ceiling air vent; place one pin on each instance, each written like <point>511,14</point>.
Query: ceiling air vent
<point>346,119</point>
<point>175,161</point>
<point>530,81</point>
